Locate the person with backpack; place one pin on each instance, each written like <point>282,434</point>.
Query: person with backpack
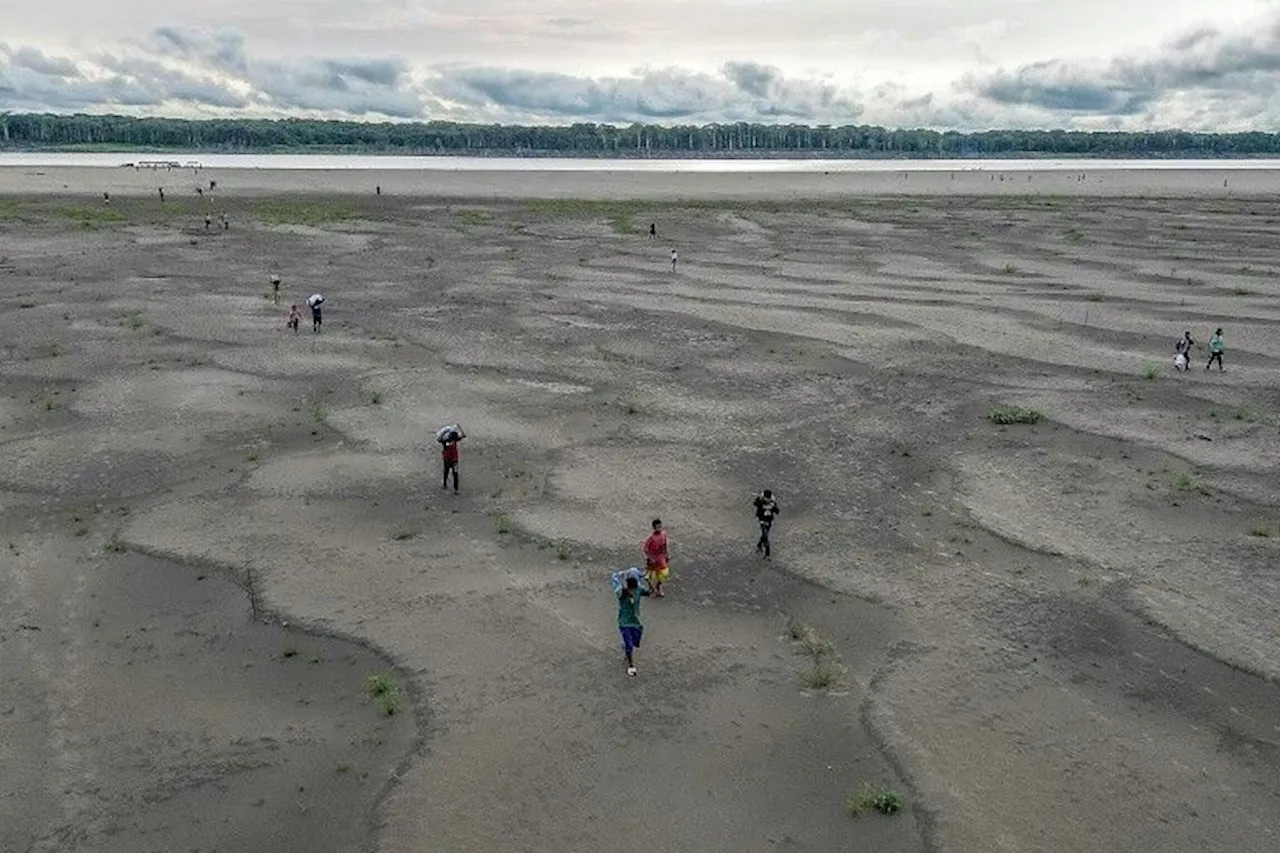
<point>1216,348</point>
<point>766,511</point>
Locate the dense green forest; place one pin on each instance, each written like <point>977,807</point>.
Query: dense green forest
<point>43,131</point>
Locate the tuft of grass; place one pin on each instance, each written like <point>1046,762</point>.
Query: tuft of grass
<point>1095,296</point>
<point>52,349</point>
<point>289,652</point>
<point>821,674</point>
<point>342,768</point>
<point>252,456</point>
<point>383,688</point>
<point>1188,483</point>
<point>375,399</point>
<point>1005,415</point>
<point>403,535</point>
<point>563,552</point>
<point>318,412</point>
<point>623,224</point>
<point>1151,371</point>
<point>475,217</point>
<point>134,321</point>
<point>1260,529</point>
<point>869,797</point>
<point>115,545</point>
<point>1075,235</point>
<point>502,525</point>
<point>82,531</point>
<point>1010,269</point>
<point>795,628</point>
<point>1241,291</point>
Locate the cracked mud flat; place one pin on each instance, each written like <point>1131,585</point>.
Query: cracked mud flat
<point>1053,637</point>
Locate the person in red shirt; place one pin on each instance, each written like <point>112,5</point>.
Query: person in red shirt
<point>657,567</point>
<point>449,459</point>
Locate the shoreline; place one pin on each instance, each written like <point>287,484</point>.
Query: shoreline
<point>640,185</point>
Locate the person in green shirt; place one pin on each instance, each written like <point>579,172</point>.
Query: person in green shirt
<point>629,619</point>
<point>1216,348</point>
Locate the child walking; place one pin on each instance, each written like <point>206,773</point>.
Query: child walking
<point>657,568</point>
<point>629,625</point>
<point>295,317</point>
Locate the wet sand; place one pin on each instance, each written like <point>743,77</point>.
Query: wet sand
<point>1053,637</point>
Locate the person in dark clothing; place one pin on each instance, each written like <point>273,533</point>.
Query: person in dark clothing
<point>629,624</point>
<point>653,231</point>
<point>1216,348</point>
<point>766,511</point>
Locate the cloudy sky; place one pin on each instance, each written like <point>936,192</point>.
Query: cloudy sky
<point>966,64</point>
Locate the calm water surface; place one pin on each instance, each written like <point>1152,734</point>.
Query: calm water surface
<point>570,164</point>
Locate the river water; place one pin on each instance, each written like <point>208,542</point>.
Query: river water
<point>359,162</point>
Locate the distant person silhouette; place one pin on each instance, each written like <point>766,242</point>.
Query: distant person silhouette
<point>653,231</point>
<point>1216,348</point>
<point>674,258</point>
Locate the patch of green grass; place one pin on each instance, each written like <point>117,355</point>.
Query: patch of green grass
<point>1187,482</point>
<point>252,456</point>
<point>1151,371</point>
<point>502,525</point>
<point>821,674</point>
<point>52,349</point>
<point>1241,291</point>
<point>1260,529</point>
<point>1010,269</point>
<point>623,224</point>
<point>384,689</point>
<point>563,551</point>
<point>314,213</point>
<point>1095,296</point>
<point>1075,235</point>
<point>1005,415</point>
<point>86,216</point>
<point>47,400</point>
<point>318,412</point>
<point>475,217</point>
<point>134,321</point>
<point>871,797</point>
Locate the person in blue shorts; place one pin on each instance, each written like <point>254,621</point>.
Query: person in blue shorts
<point>629,619</point>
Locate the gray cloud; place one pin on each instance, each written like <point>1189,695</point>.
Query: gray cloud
<point>1207,60</point>
<point>743,91</point>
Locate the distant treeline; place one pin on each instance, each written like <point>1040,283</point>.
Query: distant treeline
<point>43,131</point>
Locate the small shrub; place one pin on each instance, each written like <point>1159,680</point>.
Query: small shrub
<point>403,535</point>
<point>1260,529</point>
<point>1188,483</point>
<point>795,628</point>
<point>814,644</point>
<point>1010,269</point>
<point>1151,371</point>
<point>1005,415</point>
<point>289,652</point>
<point>50,350</point>
<point>871,797</point>
<point>389,703</point>
<point>502,525</point>
<point>375,399</point>
<point>563,552</point>
<point>820,675</point>
<point>115,545</point>
<point>318,412</point>
<point>1075,235</point>
<point>1096,297</point>
<point>380,683</point>
<point>1241,291</point>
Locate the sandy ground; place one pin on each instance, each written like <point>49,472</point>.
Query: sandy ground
<point>1049,637</point>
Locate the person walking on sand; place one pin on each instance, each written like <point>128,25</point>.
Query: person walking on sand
<point>226,222</point>
<point>766,511</point>
<point>1216,348</point>
<point>162,194</point>
<point>208,220</point>
<point>1182,352</point>
<point>449,456</point>
<point>653,231</point>
<point>314,301</point>
<point>657,564</point>
<point>295,319</point>
<point>275,289</point>
<point>629,625</point>
<point>674,258</point>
